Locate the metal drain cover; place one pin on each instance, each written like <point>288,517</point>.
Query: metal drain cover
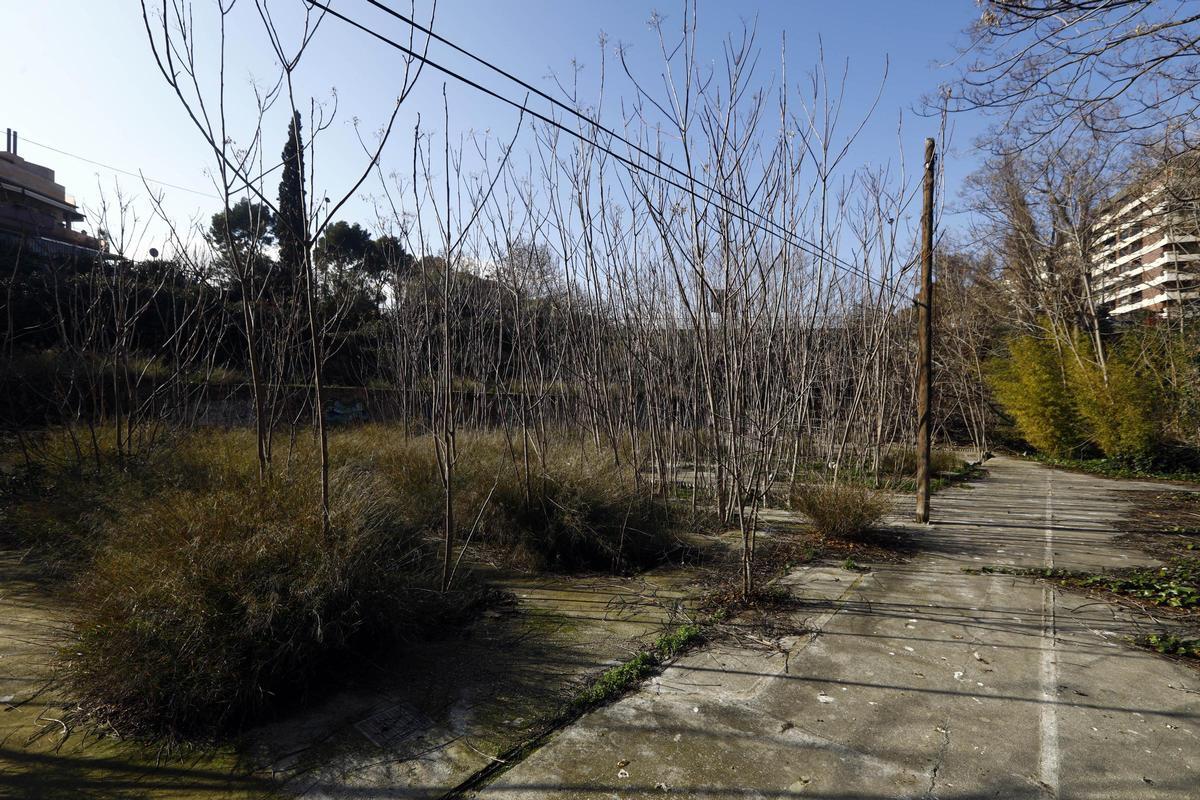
<point>392,725</point>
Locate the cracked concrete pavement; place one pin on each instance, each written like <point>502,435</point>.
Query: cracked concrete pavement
<point>919,681</point>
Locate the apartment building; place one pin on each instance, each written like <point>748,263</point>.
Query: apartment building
<point>1146,245</point>
<point>37,211</point>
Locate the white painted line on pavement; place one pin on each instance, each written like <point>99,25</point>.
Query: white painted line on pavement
<point>1048,757</point>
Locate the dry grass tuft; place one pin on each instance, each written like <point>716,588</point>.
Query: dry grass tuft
<point>841,511</point>
<point>581,511</point>
<point>208,608</point>
<point>207,600</point>
<point>573,509</point>
<point>900,463</point>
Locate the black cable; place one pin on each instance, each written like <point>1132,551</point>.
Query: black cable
<point>115,169</point>
<point>599,126</point>
<point>810,248</point>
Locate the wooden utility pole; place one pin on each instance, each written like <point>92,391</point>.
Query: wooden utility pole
<point>925,340</point>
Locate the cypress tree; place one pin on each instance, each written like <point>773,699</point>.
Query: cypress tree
<point>291,229</point>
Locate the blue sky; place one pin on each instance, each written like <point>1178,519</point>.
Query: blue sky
<point>79,76</point>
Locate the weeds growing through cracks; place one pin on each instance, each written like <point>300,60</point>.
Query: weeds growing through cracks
<point>1173,585</point>
<point>1170,644</point>
<point>620,679</point>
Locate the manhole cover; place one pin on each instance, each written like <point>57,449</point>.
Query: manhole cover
<point>392,725</point>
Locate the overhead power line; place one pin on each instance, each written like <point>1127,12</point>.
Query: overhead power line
<point>782,232</point>
<point>777,230</point>
<point>137,175</point>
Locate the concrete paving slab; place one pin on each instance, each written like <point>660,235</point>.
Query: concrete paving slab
<point>438,712</point>
<point>918,681</point>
